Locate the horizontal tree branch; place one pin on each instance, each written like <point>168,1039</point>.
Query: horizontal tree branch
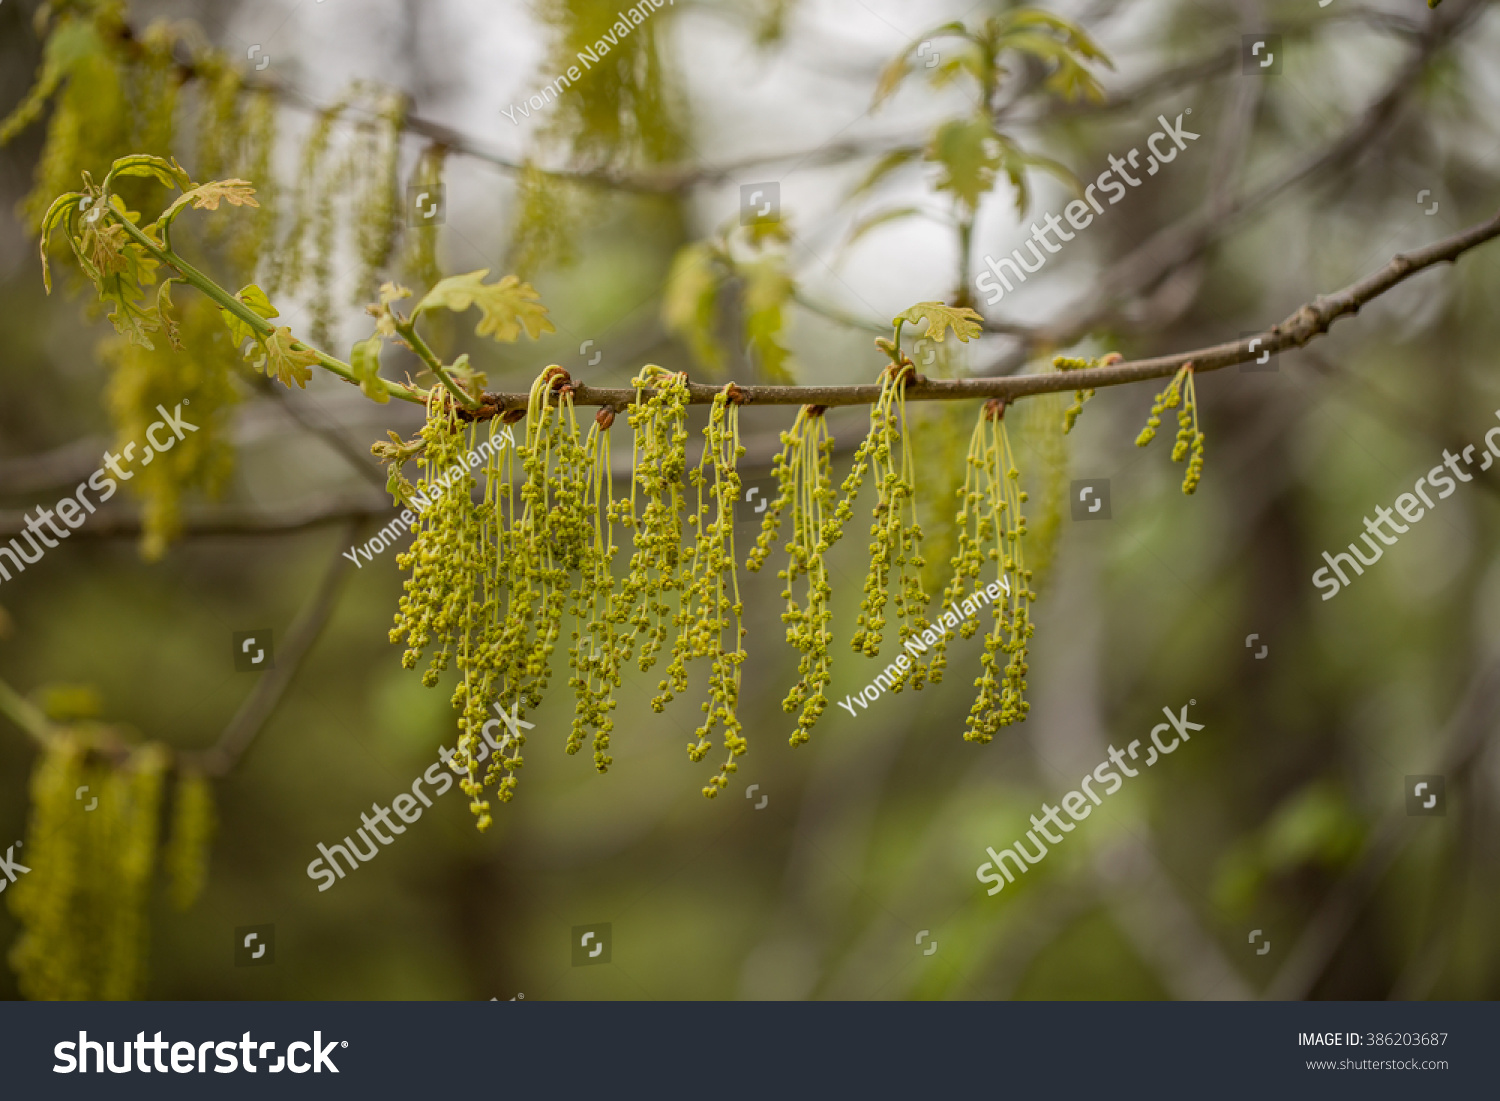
<point>1175,245</point>
<point>111,523</point>
<point>1306,324</point>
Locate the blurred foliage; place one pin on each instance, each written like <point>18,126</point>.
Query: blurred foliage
<point>872,831</point>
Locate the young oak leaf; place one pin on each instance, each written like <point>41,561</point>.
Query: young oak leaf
<point>234,192</point>
<point>965,323</point>
<point>282,361</point>
<point>365,359</point>
<point>688,305</point>
<point>259,304</point>
<point>468,378</point>
<point>507,306</point>
<point>167,173</point>
<point>163,311</point>
<point>900,67</point>
<point>768,288</point>
<point>206,197</point>
<point>395,455</point>
<point>385,319</point>
<point>62,207</point>
<point>970,153</point>
<point>130,320</point>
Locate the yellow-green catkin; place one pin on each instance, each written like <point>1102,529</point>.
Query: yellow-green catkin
<point>1072,363</point>
<point>192,379</point>
<point>598,651</point>
<point>805,488</point>
<point>419,260</point>
<point>186,856</point>
<point>436,610</point>
<point>993,528</point>
<point>86,79</point>
<point>711,611</point>
<point>942,428</point>
<point>251,243</point>
<point>379,204</point>
<point>82,904</point>
<point>312,206</point>
<point>492,579</point>
<point>1037,429</point>
<point>1181,394</point>
<point>549,211</point>
<point>659,458</point>
<point>896,562</point>
<point>627,112</point>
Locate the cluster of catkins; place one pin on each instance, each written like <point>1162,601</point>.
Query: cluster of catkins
<point>1189,443</point>
<point>991,528</point>
<point>82,901</point>
<point>514,539</point>
<point>501,561</point>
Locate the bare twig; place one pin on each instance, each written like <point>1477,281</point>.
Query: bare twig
<point>1306,324</point>
<point>109,523</point>
<point>1469,732</point>
<point>261,702</point>
<point>25,714</point>
<point>1175,245</point>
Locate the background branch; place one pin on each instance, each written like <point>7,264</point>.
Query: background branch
<point>251,717</point>
<point>1305,324</point>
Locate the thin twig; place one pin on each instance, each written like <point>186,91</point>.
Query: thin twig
<point>25,714</point>
<point>262,700</point>
<point>111,523</point>
<point>1469,732</point>
<point>1306,324</point>
<point>1171,247</point>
